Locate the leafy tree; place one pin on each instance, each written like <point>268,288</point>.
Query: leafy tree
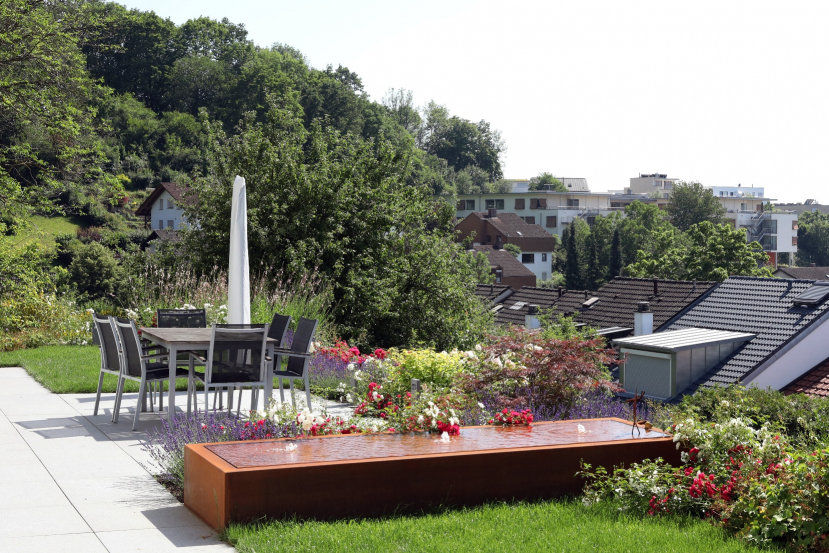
<point>690,203</point>
<point>400,105</point>
<point>616,262</point>
<point>594,271</point>
<point>95,271</point>
<point>546,181</point>
<point>572,265</point>
<point>714,252</point>
<point>322,200</point>
<point>813,239</point>
<point>44,115</point>
<point>478,265</point>
<point>642,223</point>
<point>513,249</point>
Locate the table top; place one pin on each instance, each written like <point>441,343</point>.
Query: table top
<point>180,335</point>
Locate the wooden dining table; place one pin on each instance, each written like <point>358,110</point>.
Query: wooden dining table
<point>194,339</point>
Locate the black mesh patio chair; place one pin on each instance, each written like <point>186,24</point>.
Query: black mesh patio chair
<point>177,318</point>
<point>298,356</point>
<point>140,367</point>
<point>237,358</point>
<point>110,352</point>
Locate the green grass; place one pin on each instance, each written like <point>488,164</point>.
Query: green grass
<point>44,229</point>
<point>68,369</point>
<point>75,369</point>
<point>550,526</point>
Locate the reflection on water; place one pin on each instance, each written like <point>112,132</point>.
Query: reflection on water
<point>370,446</point>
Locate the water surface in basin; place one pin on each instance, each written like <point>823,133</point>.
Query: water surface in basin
<point>372,446</point>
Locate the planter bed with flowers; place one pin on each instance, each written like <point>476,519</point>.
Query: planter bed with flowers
<point>375,474</point>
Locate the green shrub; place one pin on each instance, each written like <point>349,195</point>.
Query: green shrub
<point>437,369</point>
<point>95,271</point>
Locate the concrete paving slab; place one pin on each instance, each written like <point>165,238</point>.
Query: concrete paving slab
<point>23,495</point>
<point>65,543</point>
<point>22,386</point>
<point>24,405</point>
<point>138,515</point>
<point>19,522</point>
<point>118,489</point>
<point>14,372</point>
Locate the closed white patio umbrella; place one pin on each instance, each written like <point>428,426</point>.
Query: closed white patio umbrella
<point>238,274</point>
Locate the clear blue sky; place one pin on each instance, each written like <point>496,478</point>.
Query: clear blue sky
<point>720,92</point>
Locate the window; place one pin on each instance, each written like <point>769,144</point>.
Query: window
<point>488,238</point>
<point>496,204</point>
<point>160,224</point>
<point>470,204</point>
<point>543,257</point>
<point>573,202</point>
<point>161,203</point>
<point>542,203</point>
<point>498,274</point>
<point>552,221</point>
<point>527,258</point>
<point>794,225</point>
<point>529,220</point>
<point>533,203</point>
<point>171,224</point>
<point>519,203</point>
<point>731,194</point>
<point>543,276</point>
<point>461,205</point>
<point>794,240</point>
<point>722,193</point>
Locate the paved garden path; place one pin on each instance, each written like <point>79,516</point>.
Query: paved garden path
<point>73,482</point>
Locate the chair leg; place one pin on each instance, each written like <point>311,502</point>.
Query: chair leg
<point>293,394</point>
<point>230,391</point>
<point>239,401</point>
<point>254,393</point>
<point>207,400</point>
<point>141,393</point>
<point>307,389</point>
<point>160,396</point>
<point>281,392</point>
<point>98,395</point>
<point>119,393</point>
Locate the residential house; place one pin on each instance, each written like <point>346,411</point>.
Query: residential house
<point>507,269</point>
<point>808,273</point>
<point>162,208</point>
<point>497,229</point>
<point>610,309</point>
<point>751,331</point>
<point>157,237</point>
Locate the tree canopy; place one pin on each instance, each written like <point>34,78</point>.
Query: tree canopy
<point>690,203</point>
<point>546,181</point>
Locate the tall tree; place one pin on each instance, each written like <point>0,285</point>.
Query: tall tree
<point>813,239</point>
<point>321,200</point>
<point>615,268</point>
<point>572,265</point>
<point>594,271</point>
<point>690,203</point>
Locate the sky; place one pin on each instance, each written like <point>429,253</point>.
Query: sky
<point>723,93</point>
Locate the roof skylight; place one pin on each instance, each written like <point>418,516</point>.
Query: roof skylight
<point>814,295</point>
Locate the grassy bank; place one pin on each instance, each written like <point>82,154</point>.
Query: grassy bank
<point>551,526</point>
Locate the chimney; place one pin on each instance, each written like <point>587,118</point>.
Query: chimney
<point>492,212</point>
<point>643,319</point>
<point>560,291</point>
<point>497,245</point>
<point>655,287</point>
<point>531,319</point>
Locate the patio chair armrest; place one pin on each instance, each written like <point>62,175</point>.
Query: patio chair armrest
<point>194,355</point>
<point>285,351</point>
<point>156,356</point>
<point>268,359</point>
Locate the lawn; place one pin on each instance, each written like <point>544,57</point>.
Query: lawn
<point>44,229</point>
<point>550,526</point>
<point>74,369</point>
<point>68,369</point>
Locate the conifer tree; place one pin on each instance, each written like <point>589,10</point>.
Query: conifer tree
<point>615,268</point>
<point>594,273</point>
<point>572,266</point>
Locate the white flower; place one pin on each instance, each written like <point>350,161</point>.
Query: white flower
<point>351,366</point>
<point>208,306</point>
<point>83,343</point>
<point>90,311</point>
<point>537,348</point>
<point>420,419</point>
<point>471,355</point>
<point>349,398</point>
<point>307,424</point>
<point>481,405</point>
<point>358,375</point>
<point>478,347</point>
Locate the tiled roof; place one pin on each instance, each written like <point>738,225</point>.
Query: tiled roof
<point>505,261</point>
<point>618,300</point>
<point>510,225</point>
<point>814,383</point>
<point>808,273</point>
<point>489,292</point>
<point>762,306</point>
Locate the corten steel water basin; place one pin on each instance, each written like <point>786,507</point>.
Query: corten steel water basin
<point>377,474</point>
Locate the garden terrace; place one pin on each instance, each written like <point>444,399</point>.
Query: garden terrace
<point>288,477</point>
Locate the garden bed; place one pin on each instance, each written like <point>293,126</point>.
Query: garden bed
<point>375,475</point>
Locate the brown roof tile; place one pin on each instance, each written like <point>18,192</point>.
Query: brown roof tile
<point>814,383</point>
<point>513,226</point>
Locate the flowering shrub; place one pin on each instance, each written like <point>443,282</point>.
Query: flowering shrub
<point>742,478</point>
<point>512,418</point>
<point>527,371</point>
<point>32,319</point>
<point>436,368</point>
